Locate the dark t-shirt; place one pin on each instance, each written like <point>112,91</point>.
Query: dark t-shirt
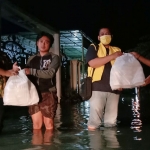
<point>103,84</point>
<point>5,63</point>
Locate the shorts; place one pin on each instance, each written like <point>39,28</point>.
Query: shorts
<point>47,106</point>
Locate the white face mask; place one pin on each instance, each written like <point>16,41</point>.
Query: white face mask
<point>105,39</point>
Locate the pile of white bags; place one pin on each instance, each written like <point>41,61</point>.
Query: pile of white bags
<point>126,72</point>
<point>20,91</point>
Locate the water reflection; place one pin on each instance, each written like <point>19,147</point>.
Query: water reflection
<point>136,123</point>
<point>71,130</point>
<point>104,138</point>
<point>38,138</point>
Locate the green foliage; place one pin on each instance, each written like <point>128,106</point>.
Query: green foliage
<point>143,47</point>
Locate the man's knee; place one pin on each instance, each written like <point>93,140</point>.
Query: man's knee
<point>37,124</point>
<point>49,123</point>
<point>110,123</point>
<point>107,125</point>
<point>37,120</point>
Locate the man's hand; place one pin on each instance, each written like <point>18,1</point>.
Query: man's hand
<point>117,54</point>
<point>120,89</point>
<point>27,71</point>
<point>15,67</point>
<point>147,81</point>
<point>135,54</point>
<point>9,73</point>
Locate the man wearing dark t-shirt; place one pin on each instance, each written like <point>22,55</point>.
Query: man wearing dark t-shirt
<point>5,71</point>
<point>104,101</point>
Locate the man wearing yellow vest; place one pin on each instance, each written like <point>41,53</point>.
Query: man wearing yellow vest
<point>104,101</point>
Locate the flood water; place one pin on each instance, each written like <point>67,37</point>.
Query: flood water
<point>132,132</point>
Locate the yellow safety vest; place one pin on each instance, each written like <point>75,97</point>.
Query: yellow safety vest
<point>101,53</point>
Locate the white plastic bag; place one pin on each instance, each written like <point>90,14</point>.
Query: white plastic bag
<point>20,91</point>
<point>126,72</point>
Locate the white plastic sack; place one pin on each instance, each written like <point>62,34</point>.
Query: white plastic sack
<point>126,72</point>
<point>20,91</point>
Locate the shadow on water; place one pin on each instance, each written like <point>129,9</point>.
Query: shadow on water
<point>71,131</point>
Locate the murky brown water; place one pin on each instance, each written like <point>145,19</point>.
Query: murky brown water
<point>132,132</point>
